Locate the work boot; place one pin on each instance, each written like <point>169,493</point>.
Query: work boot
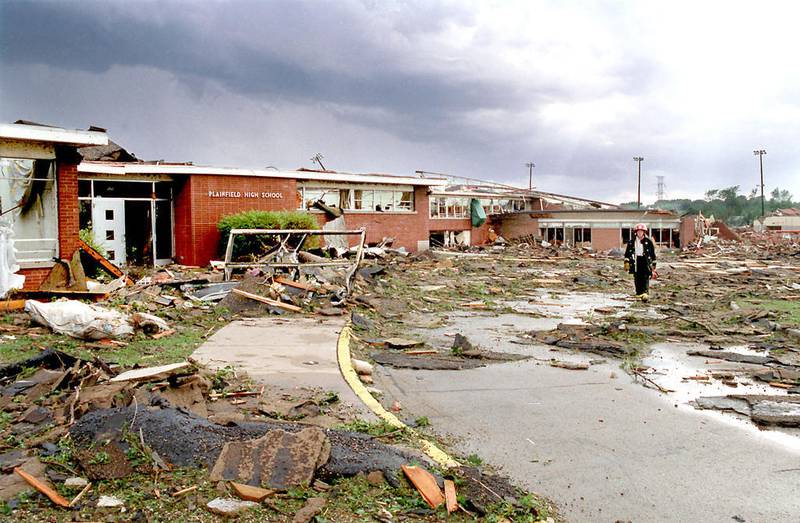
<point>644,297</point>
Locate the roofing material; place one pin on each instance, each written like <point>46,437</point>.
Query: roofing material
<point>47,134</point>
<point>122,168</point>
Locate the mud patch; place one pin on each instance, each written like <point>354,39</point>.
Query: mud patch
<point>442,361</point>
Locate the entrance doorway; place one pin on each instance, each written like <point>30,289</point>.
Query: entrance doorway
<point>130,220</point>
<point>138,232</point>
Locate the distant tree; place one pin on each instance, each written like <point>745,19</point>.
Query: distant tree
<point>727,204</point>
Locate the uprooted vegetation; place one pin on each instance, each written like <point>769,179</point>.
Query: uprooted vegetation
<point>147,444</point>
<point>171,441</point>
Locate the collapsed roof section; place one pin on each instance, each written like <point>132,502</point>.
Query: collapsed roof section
<point>476,188</point>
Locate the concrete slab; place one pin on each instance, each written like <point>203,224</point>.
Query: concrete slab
<point>284,352</point>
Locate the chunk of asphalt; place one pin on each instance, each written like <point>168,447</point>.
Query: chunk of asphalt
<point>183,439</point>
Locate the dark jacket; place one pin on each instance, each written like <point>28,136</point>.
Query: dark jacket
<point>649,254</point>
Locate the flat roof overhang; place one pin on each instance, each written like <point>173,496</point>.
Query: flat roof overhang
<point>44,134</point>
<point>188,170</point>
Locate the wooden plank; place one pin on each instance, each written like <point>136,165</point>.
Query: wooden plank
<point>250,493</point>
<point>451,502</point>
<point>268,301</point>
<point>54,496</point>
<point>149,372</point>
<point>12,305</point>
<point>425,484</point>
<point>103,261</point>
<point>296,284</point>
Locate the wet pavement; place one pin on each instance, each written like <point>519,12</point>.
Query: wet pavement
<point>599,443</point>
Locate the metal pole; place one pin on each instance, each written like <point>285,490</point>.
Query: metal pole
<point>639,187</point>
<point>638,160</point>
<point>761,168</point>
<point>530,165</point>
<point>760,153</point>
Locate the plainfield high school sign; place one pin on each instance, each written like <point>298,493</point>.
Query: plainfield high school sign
<point>245,194</point>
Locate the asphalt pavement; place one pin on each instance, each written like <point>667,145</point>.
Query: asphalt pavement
<point>603,447</point>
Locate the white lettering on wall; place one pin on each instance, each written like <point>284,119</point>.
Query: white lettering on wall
<point>246,194</point>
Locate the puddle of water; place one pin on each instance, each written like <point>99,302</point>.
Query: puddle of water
<point>572,308</point>
<point>488,331</point>
<point>671,365</point>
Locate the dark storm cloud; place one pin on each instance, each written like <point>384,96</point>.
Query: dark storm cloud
<point>475,89</point>
<point>95,37</point>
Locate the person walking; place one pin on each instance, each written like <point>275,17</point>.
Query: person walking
<point>640,260</point>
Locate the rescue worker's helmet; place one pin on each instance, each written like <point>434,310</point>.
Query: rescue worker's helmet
<point>640,227</point>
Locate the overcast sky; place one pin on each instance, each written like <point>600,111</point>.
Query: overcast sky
<point>475,89</point>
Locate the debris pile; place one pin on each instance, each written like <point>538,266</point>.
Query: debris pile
<point>116,424</point>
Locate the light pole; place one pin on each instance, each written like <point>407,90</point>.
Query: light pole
<point>530,166</point>
<point>760,153</point>
<point>639,160</point>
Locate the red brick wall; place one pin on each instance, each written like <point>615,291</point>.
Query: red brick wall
<point>480,235</point>
<point>605,239</point>
<point>197,213</point>
<point>687,230</point>
<point>34,277</point>
<point>450,224</point>
<point>511,226</point>
<point>726,233</point>
<point>68,226</point>
<point>406,228</point>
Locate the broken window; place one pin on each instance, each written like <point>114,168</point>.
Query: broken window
<point>29,207</point>
<point>329,197</point>
<point>553,234</point>
<point>662,237</point>
<point>449,207</point>
<point>360,199</point>
<point>583,235</point>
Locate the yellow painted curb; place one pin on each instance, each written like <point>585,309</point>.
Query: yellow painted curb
<point>346,366</point>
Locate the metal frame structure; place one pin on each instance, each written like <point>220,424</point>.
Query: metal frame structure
<point>282,248</point>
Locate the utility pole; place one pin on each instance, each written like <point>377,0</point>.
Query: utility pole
<point>760,153</point>
<point>318,159</point>
<point>639,160</point>
<point>530,166</point>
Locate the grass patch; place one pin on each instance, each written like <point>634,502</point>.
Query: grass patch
<point>787,311</point>
<point>474,460</point>
<point>192,328</point>
<point>377,429</point>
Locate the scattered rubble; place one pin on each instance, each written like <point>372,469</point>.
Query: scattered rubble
<point>783,411</point>
<point>229,507</point>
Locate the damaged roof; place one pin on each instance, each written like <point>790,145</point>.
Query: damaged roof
<point>23,130</point>
<point>123,168</point>
<point>112,152</point>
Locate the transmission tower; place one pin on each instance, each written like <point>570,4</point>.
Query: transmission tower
<point>660,190</point>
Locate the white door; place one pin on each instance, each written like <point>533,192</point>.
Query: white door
<point>108,225</point>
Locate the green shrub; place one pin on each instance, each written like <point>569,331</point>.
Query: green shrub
<point>87,235</point>
<point>254,246</point>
